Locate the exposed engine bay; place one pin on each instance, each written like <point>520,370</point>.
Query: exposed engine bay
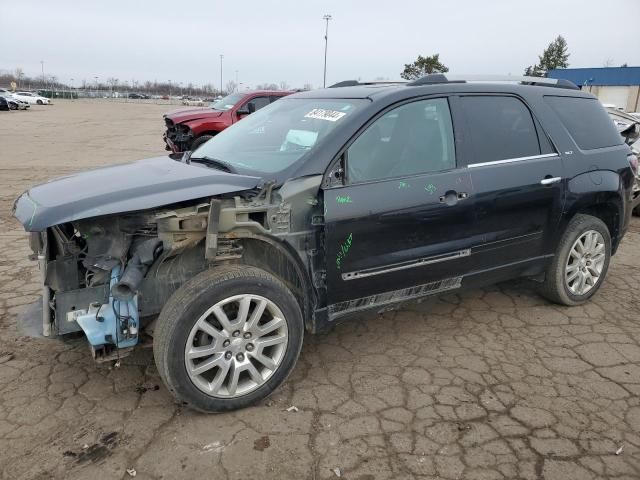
<point>110,276</point>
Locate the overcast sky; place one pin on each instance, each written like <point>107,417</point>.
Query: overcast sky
<point>270,41</point>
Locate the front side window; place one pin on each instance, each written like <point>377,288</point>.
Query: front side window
<point>411,139</point>
<point>499,128</point>
<point>259,102</point>
<point>278,135</point>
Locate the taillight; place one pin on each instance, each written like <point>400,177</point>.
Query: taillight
<point>633,161</point>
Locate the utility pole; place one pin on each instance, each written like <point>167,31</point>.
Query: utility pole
<point>326,43</point>
<point>221,57</point>
<point>44,83</point>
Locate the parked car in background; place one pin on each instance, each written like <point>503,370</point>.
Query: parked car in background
<point>32,98</point>
<point>193,102</point>
<point>326,205</point>
<point>3,104</point>
<point>138,96</point>
<point>628,125</point>
<point>13,102</point>
<point>187,129</point>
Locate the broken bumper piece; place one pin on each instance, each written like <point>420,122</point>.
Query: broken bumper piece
<point>109,327</point>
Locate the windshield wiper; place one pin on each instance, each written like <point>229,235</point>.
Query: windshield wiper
<point>214,162</point>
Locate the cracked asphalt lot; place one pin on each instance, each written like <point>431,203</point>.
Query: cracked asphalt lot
<point>491,384</point>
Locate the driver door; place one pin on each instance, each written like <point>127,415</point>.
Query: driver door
<point>401,224</point>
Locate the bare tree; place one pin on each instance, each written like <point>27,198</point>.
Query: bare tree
<point>267,86</point>
<point>608,62</point>
<point>231,86</point>
<point>284,85</point>
<point>308,86</point>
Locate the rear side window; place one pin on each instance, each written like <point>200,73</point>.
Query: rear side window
<point>500,128</point>
<point>586,121</point>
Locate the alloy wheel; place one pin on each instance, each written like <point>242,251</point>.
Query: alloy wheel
<point>236,345</point>
<point>585,263</point>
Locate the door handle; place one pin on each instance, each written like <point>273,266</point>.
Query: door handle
<point>451,197</point>
<point>548,180</point>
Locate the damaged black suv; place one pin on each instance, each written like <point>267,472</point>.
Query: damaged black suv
<point>324,204</point>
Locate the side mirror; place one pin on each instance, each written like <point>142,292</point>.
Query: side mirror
<point>243,110</point>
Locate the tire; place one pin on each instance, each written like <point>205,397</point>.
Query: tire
<point>40,102</point>
<point>179,330</point>
<point>200,140</point>
<point>558,286</point>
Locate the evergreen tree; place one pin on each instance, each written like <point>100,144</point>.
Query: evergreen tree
<point>556,55</point>
<point>423,66</point>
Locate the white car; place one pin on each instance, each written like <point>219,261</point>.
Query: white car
<point>32,98</point>
<point>13,102</point>
<point>193,102</point>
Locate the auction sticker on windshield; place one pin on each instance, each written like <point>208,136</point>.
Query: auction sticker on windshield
<point>322,114</point>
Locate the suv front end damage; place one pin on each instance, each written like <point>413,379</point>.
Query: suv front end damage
<point>109,276</point>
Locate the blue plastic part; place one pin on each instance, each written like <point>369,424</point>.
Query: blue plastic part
<point>115,323</point>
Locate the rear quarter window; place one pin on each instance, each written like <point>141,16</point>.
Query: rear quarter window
<point>586,120</point>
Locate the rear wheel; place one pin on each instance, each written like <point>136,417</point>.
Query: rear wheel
<point>200,140</point>
<point>40,102</point>
<point>580,263</point>
<point>228,338</point>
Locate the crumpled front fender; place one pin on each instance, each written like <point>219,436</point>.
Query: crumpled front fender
<point>141,185</point>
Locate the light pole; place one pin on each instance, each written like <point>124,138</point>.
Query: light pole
<point>71,93</point>
<point>221,57</point>
<point>44,83</point>
<point>326,43</point>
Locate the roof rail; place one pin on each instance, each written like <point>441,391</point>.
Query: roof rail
<point>435,78</point>
<point>354,83</point>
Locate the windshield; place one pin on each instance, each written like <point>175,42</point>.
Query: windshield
<point>276,136</point>
<point>227,102</point>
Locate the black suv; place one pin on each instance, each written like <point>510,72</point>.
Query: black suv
<point>324,204</point>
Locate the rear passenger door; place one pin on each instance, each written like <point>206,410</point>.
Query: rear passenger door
<point>518,180</point>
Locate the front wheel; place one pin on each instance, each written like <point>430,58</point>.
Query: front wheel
<point>40,102</point>
<point>580,263</point>
<point>199,141</point>
<point>228,338</point>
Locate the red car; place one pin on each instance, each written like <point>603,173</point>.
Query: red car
<point>189,128</point>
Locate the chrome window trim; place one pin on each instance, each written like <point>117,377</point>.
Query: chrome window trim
<point>512,160</point>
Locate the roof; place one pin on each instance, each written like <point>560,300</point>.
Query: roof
<point>607,76</point>
<point>380,92</point>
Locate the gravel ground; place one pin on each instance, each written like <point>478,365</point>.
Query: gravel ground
<point>492,384</point>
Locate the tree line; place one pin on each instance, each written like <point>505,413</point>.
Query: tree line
<point>556,55</point>
<point>112,84</point>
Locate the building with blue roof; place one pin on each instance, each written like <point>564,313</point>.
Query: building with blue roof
<point>619,86</point>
